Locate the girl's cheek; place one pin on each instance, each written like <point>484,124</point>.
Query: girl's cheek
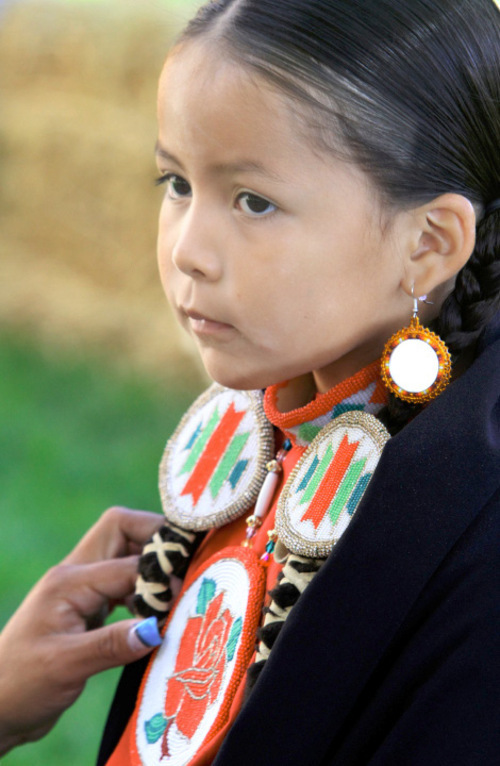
<point>166,240</point>
<point>164,243</point>
<point>166,277</point>
<point>164,266</point>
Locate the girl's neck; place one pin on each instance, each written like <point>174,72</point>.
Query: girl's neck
<point>342,369</point>
<point>303,389</point>
<point>297,393</point>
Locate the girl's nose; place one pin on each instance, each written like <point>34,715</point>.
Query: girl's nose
<point>196,247</point>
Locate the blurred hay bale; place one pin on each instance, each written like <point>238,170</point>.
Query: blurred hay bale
<point>78,206</point>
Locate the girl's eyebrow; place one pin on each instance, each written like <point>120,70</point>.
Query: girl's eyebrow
<point>243,166</point>
<point>160,152</point>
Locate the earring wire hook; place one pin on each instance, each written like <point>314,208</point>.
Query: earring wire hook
<point>415,302</point>
<point>422,299</point>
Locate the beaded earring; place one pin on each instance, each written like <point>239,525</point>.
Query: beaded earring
<point>416,363</point>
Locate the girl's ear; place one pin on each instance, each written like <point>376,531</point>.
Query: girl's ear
<point>443,239</point>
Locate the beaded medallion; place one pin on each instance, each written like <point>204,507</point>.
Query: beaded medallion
<point>416,364</point>
<point>327,484</point>
<point>188,688</point>
<point>215,462</point>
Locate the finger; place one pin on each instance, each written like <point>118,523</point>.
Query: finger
<point>118,531</point>
<point>90,587</point>
<point>113,645</point>
<point>68,597</point>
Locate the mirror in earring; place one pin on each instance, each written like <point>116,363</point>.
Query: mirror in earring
<point>416,364</point>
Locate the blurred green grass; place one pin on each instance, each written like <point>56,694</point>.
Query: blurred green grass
<point>76,436</point>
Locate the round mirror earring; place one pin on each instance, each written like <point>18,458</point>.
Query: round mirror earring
<point>416,363</point>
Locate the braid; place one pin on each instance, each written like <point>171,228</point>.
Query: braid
<point>476,297</point>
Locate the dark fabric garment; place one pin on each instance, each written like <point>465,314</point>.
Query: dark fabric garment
<point>122,707</point>
<point>393,654</point>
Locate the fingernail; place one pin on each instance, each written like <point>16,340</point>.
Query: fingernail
<point>147,632</point>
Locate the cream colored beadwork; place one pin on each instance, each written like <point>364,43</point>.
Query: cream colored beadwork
<point>327,484</point>
<point>215,463</point>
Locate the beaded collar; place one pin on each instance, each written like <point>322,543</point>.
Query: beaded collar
<point>364,392</point>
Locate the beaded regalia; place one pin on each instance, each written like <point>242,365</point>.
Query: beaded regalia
<point>220,465</point>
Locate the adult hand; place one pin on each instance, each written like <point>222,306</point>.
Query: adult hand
<point>48,649</point>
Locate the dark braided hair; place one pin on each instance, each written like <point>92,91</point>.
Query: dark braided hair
<point>477,290</point>
<point>407,89</point>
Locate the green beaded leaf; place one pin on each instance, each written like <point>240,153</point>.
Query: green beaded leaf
<point>205,595</point>
<point>232,641</point>
<point>155,728</point>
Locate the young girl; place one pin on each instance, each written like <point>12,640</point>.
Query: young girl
<point>331,171</point>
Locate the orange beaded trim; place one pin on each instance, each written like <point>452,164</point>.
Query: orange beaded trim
<point>365,383</point>
<point>418,332</point>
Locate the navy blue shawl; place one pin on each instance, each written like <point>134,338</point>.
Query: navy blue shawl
<point>393,654</point>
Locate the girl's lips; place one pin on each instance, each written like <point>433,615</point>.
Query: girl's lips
<point>203,325</point>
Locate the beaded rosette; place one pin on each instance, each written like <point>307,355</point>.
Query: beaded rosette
<point>327,484</point>
<point>191,680</point>
<point>416,354</point>
<point>215,463</point>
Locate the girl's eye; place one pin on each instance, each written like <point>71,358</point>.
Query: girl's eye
<point>177,187</point>
<point>253,205</point>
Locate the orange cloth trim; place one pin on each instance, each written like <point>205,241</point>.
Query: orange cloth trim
<point>234,532</point>
<point>324,403</point>
<point>186,704</point>
<point>217,540</point>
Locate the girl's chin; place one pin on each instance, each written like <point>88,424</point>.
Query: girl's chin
<point>232,376</point>
<point>237,383</point>
<point>235,370</point>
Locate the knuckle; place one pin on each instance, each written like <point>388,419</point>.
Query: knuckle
<point>113,514</point>
<point>57,576</point>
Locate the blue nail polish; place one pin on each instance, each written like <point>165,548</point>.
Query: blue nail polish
<point>148,633</point>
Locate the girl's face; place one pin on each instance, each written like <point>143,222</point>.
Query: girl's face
<point>271,253</point>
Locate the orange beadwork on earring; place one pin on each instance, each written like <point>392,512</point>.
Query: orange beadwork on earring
<point>416,363</point>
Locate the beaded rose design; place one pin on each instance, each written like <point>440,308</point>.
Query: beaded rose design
<point>207,646</point>
<point>190,682</point>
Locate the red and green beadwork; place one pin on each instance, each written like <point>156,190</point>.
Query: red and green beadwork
<point>215,463</point>
<point>326,486</point>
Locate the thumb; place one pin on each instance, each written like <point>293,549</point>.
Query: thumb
<point>118,644</point>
